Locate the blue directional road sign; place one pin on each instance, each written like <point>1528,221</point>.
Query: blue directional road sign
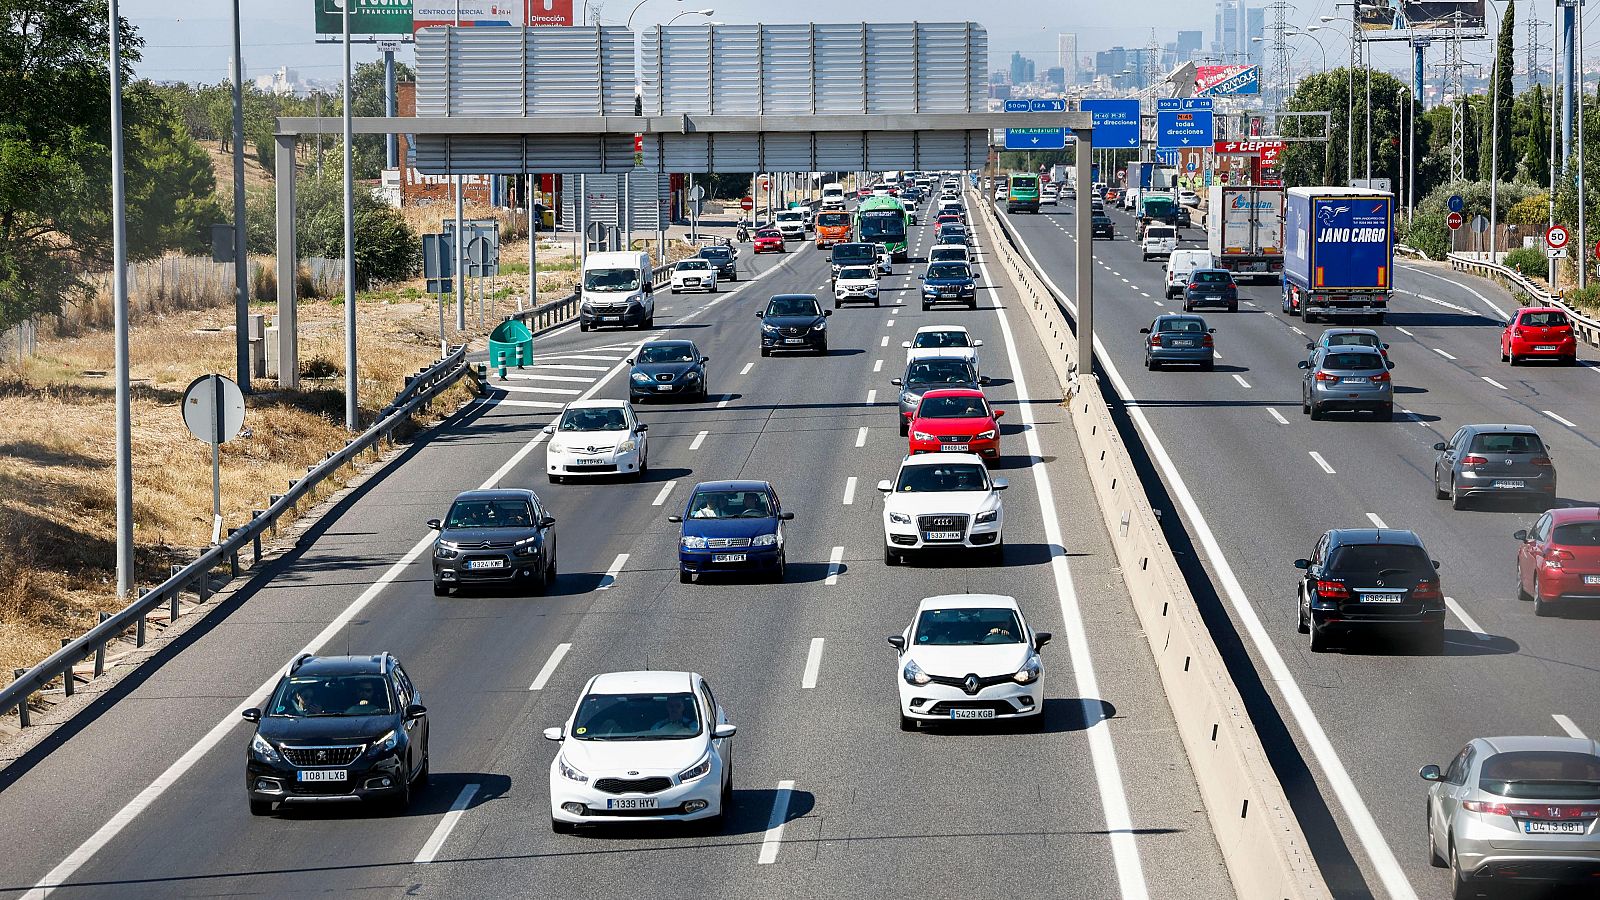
<point>1167,157</point>
<point>1456,203</point>
<point>1016,106</point>
<point>1036,139</point>
<point>1183,123</point>
<point>1116,122</point>
<point>1047,106</point>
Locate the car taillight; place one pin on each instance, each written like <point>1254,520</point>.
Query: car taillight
<point>1206,341</point>
<point>1329,589</point>
<point>1577,812</point>
<point>1194,285</point>
<point>1381,376</point>
<point>1155,340</point>
<point>1427,590</point>
<point>1327,376</point>
<point>1556,556</point>
<point>1474,461</point>
<point>1486,808</point>
<point>1541,461</point>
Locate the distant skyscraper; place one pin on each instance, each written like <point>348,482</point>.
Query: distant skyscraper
<point>1255,27</point>
<point>1067,51</point>
<point>1187,46</point>
<point>1022,69</point>
<point>1056,77</point>
<point>1234,26</point>
<point>1110,63</point>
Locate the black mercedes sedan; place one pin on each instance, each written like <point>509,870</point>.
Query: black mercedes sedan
<point>667,369</point>
<point>794,322</point>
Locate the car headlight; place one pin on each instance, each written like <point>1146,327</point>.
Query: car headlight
<point>968,288</point>
<point>641,378</point>
<point>922,435</point>
<point>987,516</point>
<point>627,446</point>
<point>526,546</point>
<point>929,289</point>
<point>820,326</point>
<point>872,291</point>
<point>899,518</point>
<point>769,329</point>
<point>698,770</point>
<point>262,748</point>
<point>446,550</point>
<point>909,398</point>
<point>765,540</point>
<point>989,435</point>
<point>386,743</point>
<point>570,772</point>
<point>1029,673</point>
<point>694,542</point>
<point>586,306</point>
<point>913,673</point>
<point>691,375</point>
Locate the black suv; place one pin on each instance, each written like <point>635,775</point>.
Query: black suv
<point>501,536</point>
<point>724,260</point>
<point>338,729</point>
<point>1371,578</point>
<point>794,322</point>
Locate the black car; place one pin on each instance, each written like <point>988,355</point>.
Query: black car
<point>338,729</point>
<point>1211,286</point>
<point>949,282</point>
<point>794,322</point>
<point>852,254</point>
<point>926,373</point>
<point>724,260</point>
<point>1180,219</point>
<point>953,234</point>
<point>1101,226</point>
<point>496,537</point>
<point>1370,579</point>
<point>667,369</point>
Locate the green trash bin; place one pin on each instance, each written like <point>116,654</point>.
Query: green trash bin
<point>510,344</point>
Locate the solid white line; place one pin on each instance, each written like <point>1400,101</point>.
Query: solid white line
<point>1376,522</point>
<point>1322,462</point>
<point>1486,301</point>
<point>447,823</point>
<point>1569,726</point>
<point>1559,419</point>
<point>568,368</point>
<point>861,436</point>
<point>589,356</point>
<point>530,389</point>
<point>530,404</point>
<point>1403,331</point>
<point>1466,620</point>
<point>1239,378</point>
<point>774,836</point>
<point>872,396</point>
<point>877,365</point>
<point>835,562</point>
<point>1339,781</point>
<point>850,490</point>
<point>556,656</point>
<point>1442,353</point>
<point>610,577</point>
<point>813,663</point>
<point>665,490</point>
<point>1274,414</point>
<point>698,440</point>
<point>564,379</point>
<point>747,367</point>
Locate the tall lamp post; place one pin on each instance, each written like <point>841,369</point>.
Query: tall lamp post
<point>1349,109</point>
<point>1494,142</point>
<point>119,307</point>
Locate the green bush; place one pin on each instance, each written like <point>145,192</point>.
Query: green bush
<point>1587,299</point>
<point>1527,261</point>
<point>1427,233</point>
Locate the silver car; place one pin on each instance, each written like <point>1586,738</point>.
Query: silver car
<point>926,373</point>
<point>1354,379</point>
<point>1494,460</point>
<point>1349,337</point>
<point>1517,811</point>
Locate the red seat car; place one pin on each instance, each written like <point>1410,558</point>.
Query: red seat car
<point>947,219</point>
<point>1559,558</point>
<point>956,420</point>
<point>1539,332</point>
<point>769,240</point>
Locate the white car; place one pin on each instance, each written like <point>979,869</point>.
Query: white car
<point>943,500</point>
<point>642,746</point>
<point>856,283</point>
<point>1188,198</point>
<point>1159,240</point>
<point>1048,195</point>
<point>885,261</point>
<point>950,253</point>
<point>596,437</point>
<point>999,192</point>
<point>792,224</point>
<point>943,340</point>
<point>694,275</point>
<point>969,656</point>
<point>1180,265</point>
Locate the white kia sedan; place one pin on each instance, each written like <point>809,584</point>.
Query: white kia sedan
<point>943,500</point>
<point>642,746</point>
<point>943,340</point>
<point>969,656</point>
<point>596,437</point>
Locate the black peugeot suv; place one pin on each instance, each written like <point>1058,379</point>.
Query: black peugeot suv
<point>338,729</point>
<point>1371,579</point>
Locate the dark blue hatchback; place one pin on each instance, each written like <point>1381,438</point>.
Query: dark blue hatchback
<point>731,526</point>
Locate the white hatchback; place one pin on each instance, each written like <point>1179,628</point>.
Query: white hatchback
<point>1159,240</point>
<point>943,340</point>
<point>596,437</point>
<point>969,657</point>
<point>1180,265</point>
<point>943,500</point>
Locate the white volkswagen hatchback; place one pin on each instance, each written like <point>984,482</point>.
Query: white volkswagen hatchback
<point>969,656</point>
<point>943,500</point>
<point>642,745</point>
<point>596,437</point>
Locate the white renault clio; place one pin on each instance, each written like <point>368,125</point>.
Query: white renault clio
<point>940,501</point>
<point>642,745</point>
<point>596,437</point>
<point>969,656</point>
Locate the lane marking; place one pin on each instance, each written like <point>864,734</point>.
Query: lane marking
<point>556,656</point>
<point>1376,522</point>
<point>1403,331</point>
<point>872,396</point>
<point>1498,311</point>
<point>529,404</point>
<point>850,490</point>
<point>747,367</point>
<point>889,323</point>
<point>1242,383</point>
<point>564,379</point>
<point>447,823</point>
<point>589,356</point>
<point>665,490</point>
<point>1569,726</point>
<point>1296,330</point>
<point>1472,625</point>
<point>531,389</point>
<point>861,436</point>
<point>698,440</point>
<point>1322,462</point>
<point>813,663</point>
<point>726,399</point>
<point>1277,416</point>
<point>884,342</point>
<point>1559,419</point>
<point>877,365</point>
<point>567,368</point>
<point>773,838</point>
<point>835,562</point>
<point>1442,353</point>
<point>610,578</point>
<point>1493,382</point>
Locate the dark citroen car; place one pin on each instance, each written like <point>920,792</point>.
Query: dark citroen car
<point>495,537</point>
<point>794,322</point>
<point>724,260</point>
<point>1359,579</point>
<point>338,729</point>
<point>926,373</point>
<point>668,369</point>
<point>1102,226</point>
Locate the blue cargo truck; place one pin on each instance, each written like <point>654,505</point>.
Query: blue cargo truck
<point>1338,253</point>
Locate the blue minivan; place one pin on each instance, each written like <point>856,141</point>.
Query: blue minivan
<point>731,526</point>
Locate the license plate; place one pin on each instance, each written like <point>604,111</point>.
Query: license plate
<point>794,340</point>
<point>1213,299</point>
<point>486,564</point>
<point>1354,381</point>
<point>947,292</point>
<point>1530,826</point>
<point>941,536</point>
<point>1552,347</point>
<point>322,775</point>
<point>588,461</point>
<point>953,448</point>
<point>1512,485</point>
<point>1183,343</point>
<point>611,318</point>
<point>1591,579</point>
<point>728,557</point>
<point>663,387</point>
<point>631,803</point>
<point>971,713</point>
<point>1380,598</point>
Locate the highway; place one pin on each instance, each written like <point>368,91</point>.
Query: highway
<point>1257,482</point>
<point>143,796</point>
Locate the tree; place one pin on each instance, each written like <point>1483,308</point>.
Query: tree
<point>1312,162</point>
<point>369,156</point>
<point>1500,144</point>
<point>171,187</point>
<point>386,247</point>
<point>1531,135</point>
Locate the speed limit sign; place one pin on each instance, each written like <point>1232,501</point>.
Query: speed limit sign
<point>1555,241</point>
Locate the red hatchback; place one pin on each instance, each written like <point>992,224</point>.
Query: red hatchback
<point>1539,332</point>
<point>1559,559</point>
<point>769,240</point>
<point>956,420</point>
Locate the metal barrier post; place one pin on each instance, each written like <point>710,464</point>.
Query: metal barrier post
<point>22,702</point>
<point>67,676</point>
<point>100,651</point>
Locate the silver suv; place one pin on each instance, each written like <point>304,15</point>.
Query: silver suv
<point>1494,460</point>
<point>1354,379</point>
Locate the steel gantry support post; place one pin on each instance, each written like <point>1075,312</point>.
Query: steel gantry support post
<point>1082,139</point>
<point>287,264</point>
<point>119,306</point>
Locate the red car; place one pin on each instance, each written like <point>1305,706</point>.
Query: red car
<point>863,193</point>
<point>956,420</point>
<point>1539,332</point>
<point>769,239</point>
<point>1559,559</point>
<point>947,219</point>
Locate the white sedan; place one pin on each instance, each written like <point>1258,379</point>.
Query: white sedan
<point>943,501</point>
<point>943,340</point>
<point>969,656</point>
<point>642,745</point>
<point>694,275</point>
<point>596,437</point>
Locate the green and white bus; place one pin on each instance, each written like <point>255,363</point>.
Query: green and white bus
<point>1022,193</point>
<point>883,220</point>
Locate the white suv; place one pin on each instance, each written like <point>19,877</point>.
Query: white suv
<point>856,283</point>
<point>969,656</point>
<point>1180,265</point>
<point>943,500</point>
<point>694,275</point>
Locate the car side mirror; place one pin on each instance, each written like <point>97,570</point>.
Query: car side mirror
<point>1430,773</point>
<point>415,711</point>
<point>1302,564</point>
<point>885,486</point>
<point>704,360</point>
<point>1436,565</point>
<point>1310,346</point>
<point>897,382</point>
<point>826,313</point>
<point>898,641</point>
<point>905,345</point>
<point>1391,365</point>
<point>1304,364</point>
<point>758,314</point>
<point>1040,638</point>
<point>1144,331</point>
<point>252,714</point>
<point>1000,484</point>
<point>977,343</point>
<point>547,521</point>
<point>553,734</point>
<point>1211,331</point>
<point>629,360</point>
<point>724,731</point>
<point>642,427</point>
<point>922,278</point>
<point>1385,346</point>
<point>999,413</point>
<point>1440,445</point>
<point>983,379</point>
<point>1521,534</point>
<point>434,524</point>
<point>548,429</point>
<point>786,517</point>
<point>674,518</point>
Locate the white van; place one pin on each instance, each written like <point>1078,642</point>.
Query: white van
<point>1181,264</point>
<point>616,290</point>
<point>833,195</point>
<point>1159,240</point>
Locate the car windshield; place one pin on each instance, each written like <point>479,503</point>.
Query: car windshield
<point>730,505</point>
<point>949,370</point>
<point>666,353</point>
<point>1352,339</point>
<point>942,478</point>
<point>889,224</point>
<point>770,234</point>
<point>609,280</point>
<point>1181,326</point>
<point>608,418</point>
<point>636,717</point>
<point>1542,775</point>
<point>793,306</point>
<point>489,514</point>
<point>967,627</point>
<point>853,253</point>
<point>833,219</point>
<point>694,264</point>
<point>1161,233</point>
<point>926,339</point>
<point>717,254</point>
<point>1506,442</point>
<point>316,696</point>
<point>955,232</point>
<point>1212,278</point>
<point>952,408</point>
<point>858,273</point>
<point>1399,562</point>
<point>944,254</point>
<point>1544,319</point>
<point>949,270</point>
<point>1352,361</point>
<point>791,216</point>
<point>1578,534</point>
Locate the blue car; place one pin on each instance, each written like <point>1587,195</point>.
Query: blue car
<point>1179,339</point>
<point>731,527</point>
<point>949,282</point>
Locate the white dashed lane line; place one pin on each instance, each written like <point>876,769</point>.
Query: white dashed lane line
<point>835,564</point>
<point>1442,353</point>
<point>543,678</point>
<point>1560,419</point>
<point>1570,727</point>
<point>747,367</point>
<point>447,824</point>
<point>850,490</point>
<point>1376,522</point>
<point>610,577</point>
<point>1461,614</point>
<point>808,679</point>
<point>877,365</point>
<point>861,436</point>
<point>1403,331</point>
<point>1276,416</point>
<point>698,440</point>
<point>1242,383</point>
<point>884,342</point>
<point>661,497</point>
<point>1493,382</point>
<point>1322,462</point>
<point>772,840</point>
<point>872,397</point>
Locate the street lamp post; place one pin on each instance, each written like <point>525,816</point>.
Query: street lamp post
<point>1349,109</point>
<point>1494,145</point>
<point>119,312</point>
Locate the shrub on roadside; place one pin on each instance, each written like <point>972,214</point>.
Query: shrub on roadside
<point>1528,262</point>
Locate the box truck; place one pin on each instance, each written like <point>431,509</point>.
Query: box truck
<point>1338,255</point>
<point>1244,229</point>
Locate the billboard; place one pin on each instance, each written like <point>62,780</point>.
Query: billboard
<point>366,16</point>
<point>1393,20</point>
<point>473,13</point>
<point>549,12</point>
<point>1216,80</point>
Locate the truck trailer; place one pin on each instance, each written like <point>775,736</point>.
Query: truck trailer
<point>1244,229</point>
<point>1338,259</point>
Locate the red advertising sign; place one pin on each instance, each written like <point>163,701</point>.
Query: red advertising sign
<point>549,12</point>
<point>1208,77</point>
<point>1261,147</point>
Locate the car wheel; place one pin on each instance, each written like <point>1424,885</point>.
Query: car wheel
<point>260,807</point>
<point>560,827</point>
<point>1319,639</point>
<point>926,307</point>
<point>907,723</point>
<point>440,589</point>
<point>541,580</point>
<point>1460,887</point>
<point>877,303</point>
<point>401,801</point>
<point>555,479</point>
<point>1302,624</point>
<point>1152,364</point>
<point>1541,607</point>
<point>1305,404</point>
<point>582,325</point>
<point>1208,366</point>
<point>782,569</point>
<point>685,576</point>
<point>1385,413</point>
<point>765,352</point>
<point>1316,413</point>
<point>674,290</point>
<point>890,558</point>
<point>1512,358</point>
<point>1458,500</point>
<point>648,323</point>
<point>1434,859</point>
<point>421,778</point>
<point>996,555</point>
<point>1522,595</point>
<point>1437,493</point>
<point>972,305</point>
<point>1233,307</point>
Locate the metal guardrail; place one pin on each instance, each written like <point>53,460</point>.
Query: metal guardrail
<point>196,576</point>
<point>1586,327</point>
